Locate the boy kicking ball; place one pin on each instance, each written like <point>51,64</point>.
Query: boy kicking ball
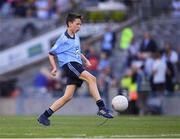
<point>68,53</point>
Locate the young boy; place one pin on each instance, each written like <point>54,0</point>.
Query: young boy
<point>68,53</point>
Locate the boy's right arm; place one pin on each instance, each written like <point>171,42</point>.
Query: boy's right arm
<point>53,64</point>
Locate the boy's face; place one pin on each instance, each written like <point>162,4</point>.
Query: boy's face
<point>75,25</point>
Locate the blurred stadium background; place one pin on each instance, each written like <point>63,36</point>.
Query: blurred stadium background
<point>124,40</point>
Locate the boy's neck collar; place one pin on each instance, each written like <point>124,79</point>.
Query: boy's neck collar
<point>68,36</point>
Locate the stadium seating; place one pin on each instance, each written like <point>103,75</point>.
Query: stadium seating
<point>11,30</point>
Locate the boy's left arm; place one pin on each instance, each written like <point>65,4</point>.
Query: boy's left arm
<point>53,64</point>
<point>85,60</point>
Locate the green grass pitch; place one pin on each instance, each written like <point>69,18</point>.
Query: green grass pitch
<point>87,127</point>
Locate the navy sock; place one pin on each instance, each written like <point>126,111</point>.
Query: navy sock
<point>100,104</point>
<point>48,112</point>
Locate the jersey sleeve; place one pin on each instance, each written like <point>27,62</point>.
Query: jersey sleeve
<point>53,50</point>
<point>56,47</point>
<point>61,45</point>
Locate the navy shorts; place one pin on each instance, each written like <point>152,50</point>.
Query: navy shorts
<point>72,71</point>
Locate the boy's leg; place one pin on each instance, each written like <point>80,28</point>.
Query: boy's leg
<point>91,80</point>
<point>43,119</point>
<point>64,99</point>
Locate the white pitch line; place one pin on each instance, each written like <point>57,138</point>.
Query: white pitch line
<point>135,136</point>
<point>82,136</point>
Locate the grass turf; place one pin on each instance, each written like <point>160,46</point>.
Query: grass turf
<point>87,127</point>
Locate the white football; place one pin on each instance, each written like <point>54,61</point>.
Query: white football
<point>120,103</point>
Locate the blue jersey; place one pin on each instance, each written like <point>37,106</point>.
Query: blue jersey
<point>67,49</point>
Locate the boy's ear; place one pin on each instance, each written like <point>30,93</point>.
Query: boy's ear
<point>69,23</point>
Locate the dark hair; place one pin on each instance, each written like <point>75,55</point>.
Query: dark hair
<point>72,16</point>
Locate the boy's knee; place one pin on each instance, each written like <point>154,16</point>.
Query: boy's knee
<point>93,78</point>
<point>89,77</point>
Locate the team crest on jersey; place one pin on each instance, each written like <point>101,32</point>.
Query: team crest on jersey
<point>78,52</point>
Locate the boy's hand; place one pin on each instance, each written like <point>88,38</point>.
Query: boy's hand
<point>53,72</point>
<point>87,63</point>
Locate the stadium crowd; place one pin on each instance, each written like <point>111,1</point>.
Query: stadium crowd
<point>42,9</point>
<point>25,19</point>
<point>152,72</point>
